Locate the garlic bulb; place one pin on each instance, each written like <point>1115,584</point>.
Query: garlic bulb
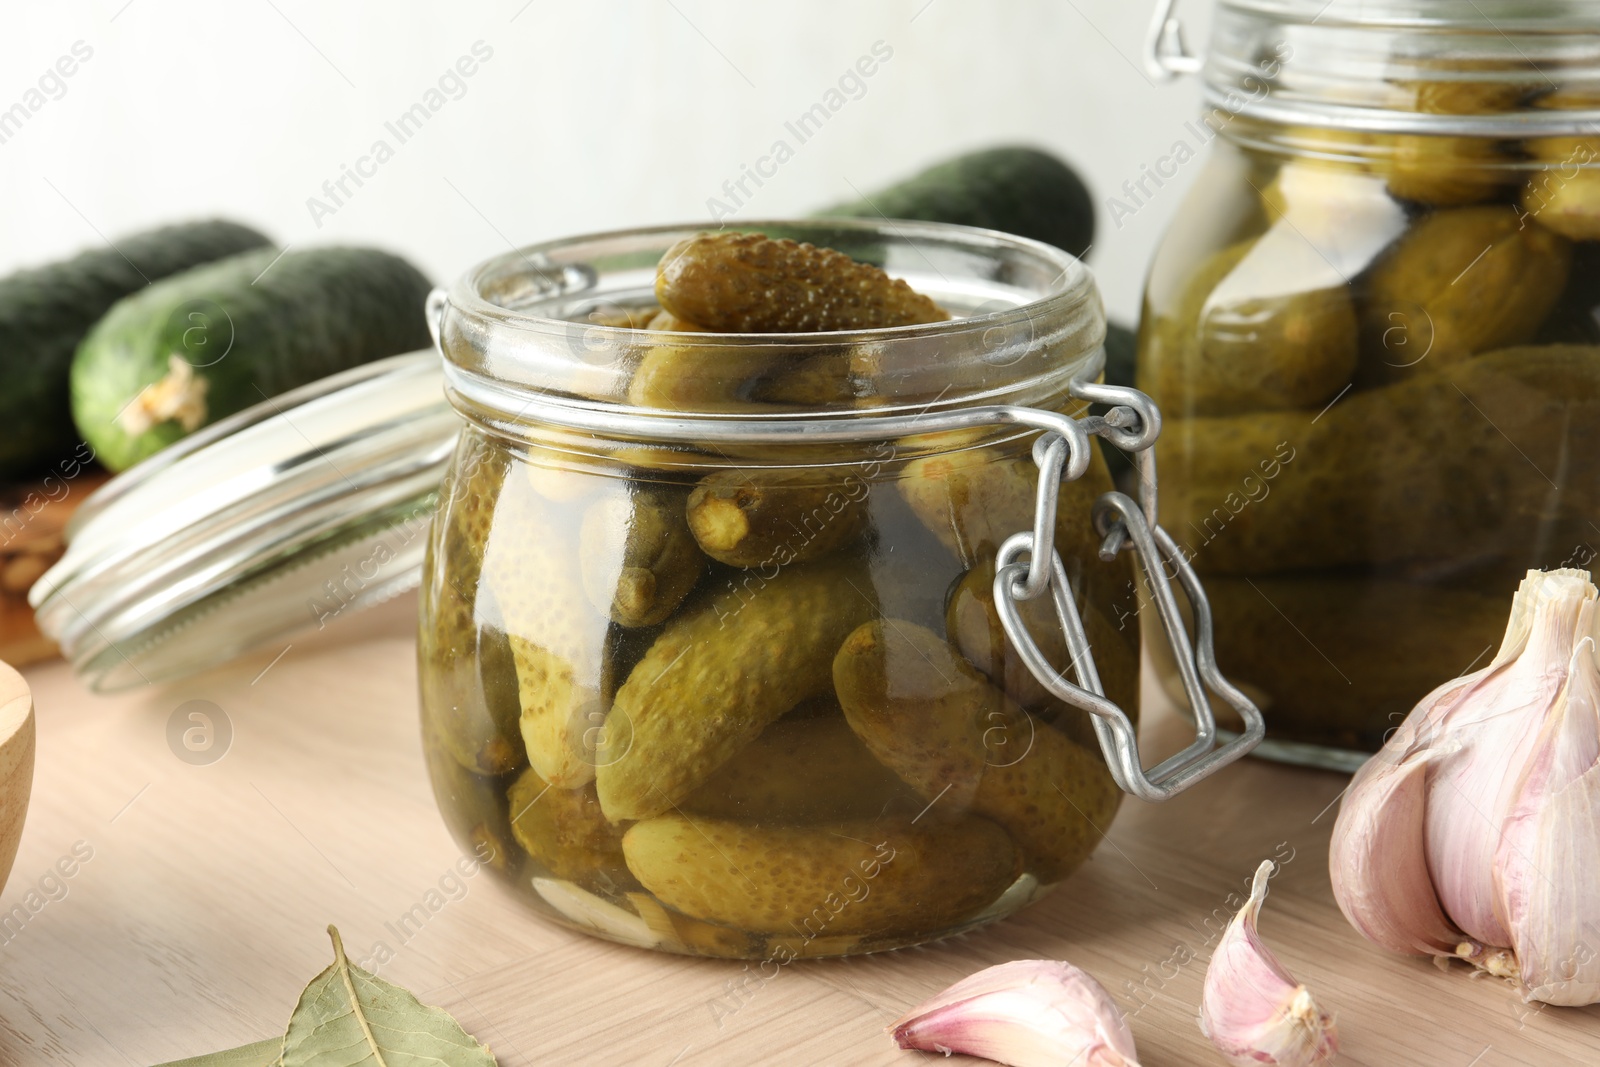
<point>1475,832</point>
<point>1031,1013</point>
<point>1250,1007</point>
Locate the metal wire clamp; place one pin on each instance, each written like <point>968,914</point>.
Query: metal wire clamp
<point>1028,565</point>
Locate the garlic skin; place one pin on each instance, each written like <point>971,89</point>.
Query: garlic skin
<point>1029,1013</point>
<point>1548,863</point>
<point>1253,1011</point>
<point>1475,833</point>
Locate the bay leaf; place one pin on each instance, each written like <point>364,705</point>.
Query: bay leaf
<point>260,1054</point>
<point>348,1017</point>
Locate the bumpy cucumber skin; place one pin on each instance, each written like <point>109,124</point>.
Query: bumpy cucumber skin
<point>718,675</point>
<point>1018,190</point>
<point>309,314</point>
<point>45,311</point>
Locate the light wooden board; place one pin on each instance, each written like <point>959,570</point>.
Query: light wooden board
<point>201,912</point>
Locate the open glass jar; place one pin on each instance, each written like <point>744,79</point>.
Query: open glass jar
<point>714,643</point>
<point>1374,331</point>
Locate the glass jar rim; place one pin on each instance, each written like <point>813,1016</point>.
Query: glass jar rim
<point>1027,319</point>
<point>1076,282</point>
<point>1370,67</point>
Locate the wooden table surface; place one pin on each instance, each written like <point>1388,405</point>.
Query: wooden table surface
<point>200,909</point>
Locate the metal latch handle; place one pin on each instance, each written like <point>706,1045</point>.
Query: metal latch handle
<point>1029,565</point>
<point>1165,54</point>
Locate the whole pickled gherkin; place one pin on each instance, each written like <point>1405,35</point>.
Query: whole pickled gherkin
<point>637,558</point>
<point>466,672</point>
<point>473,805</point>
<point>564,831</point>
<point>558,640</point>
<point>800,770</point>
<point>1458,283</point>
<point>718,674</point>
<point>973,626</point>
<point>723,378</point>
<point>877,877</point>
<point>973,499</point>
<point>1446,170</point>
<point>1377,644</point>
<point>774,517</point>
<point>1262,325</point>
<point>1564,194</point>
<point>963,744</point>
<point>752,283</point>
<point>1444,466</point>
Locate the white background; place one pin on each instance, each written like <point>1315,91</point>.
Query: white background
<point>588,116</point>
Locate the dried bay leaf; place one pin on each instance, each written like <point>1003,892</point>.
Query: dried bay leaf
<point>347,1017</point>
<point>260,1054</point>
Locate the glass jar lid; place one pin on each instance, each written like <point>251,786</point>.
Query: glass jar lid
<point>273,520</point>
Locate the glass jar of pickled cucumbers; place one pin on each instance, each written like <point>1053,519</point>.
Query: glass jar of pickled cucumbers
<point>711,657</point>
<point>1374,331</point>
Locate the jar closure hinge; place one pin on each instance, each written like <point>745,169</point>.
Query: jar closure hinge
<point>1028,565</point>
<point>1166,56</point>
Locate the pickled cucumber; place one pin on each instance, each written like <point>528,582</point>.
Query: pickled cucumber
<point>971,500</point>
<point>1356,655</point>
<point>1449,466</point>
<point>557,476</point>
<point>974,628</point>
<point>877,877</point>
<point>637,558</point>
<point>756,518</point>
<point>466,671</point>
<point>1262,325</point>
<point>667,322</point>
<point>693,937</point>
<point>720,672</point>
<point>1445,170</point>
<point>974,499</point>
<point>1565,195</point>
<point>1459,282</point>
<point>801,770</point>
<point>473,691</point>
<point>564,831</point>
<point>473,805</point>
<point>1343,213</point>
<point>751,283</point>
<point>964,745</point>
<point>558,639</point>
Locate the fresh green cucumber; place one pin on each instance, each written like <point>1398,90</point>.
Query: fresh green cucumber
<point>1017,190</point>
<point>45,311</point>
<point>206,343</point>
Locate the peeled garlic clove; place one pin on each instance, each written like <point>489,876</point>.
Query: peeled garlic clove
<point>1250,1008</point>
<point>1377,864</point>
<point>1550,849</point>
<point>1030,1013</point>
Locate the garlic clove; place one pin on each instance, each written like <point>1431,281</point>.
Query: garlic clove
<point>1550,849</point>
<point>1253,1011</point>
<point>1377,865</point>
<point>1491,730</point>
<point>1029,1013</point>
